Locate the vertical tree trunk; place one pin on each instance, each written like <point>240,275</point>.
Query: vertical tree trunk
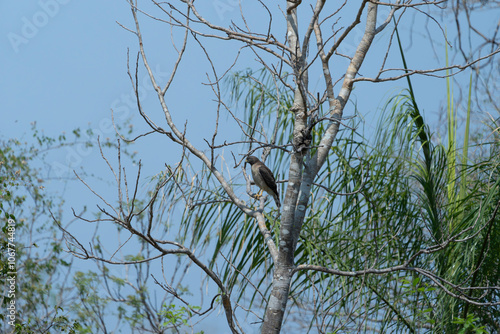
<point>291,219</point>
<point>283,267</point>
<point>277,301</point>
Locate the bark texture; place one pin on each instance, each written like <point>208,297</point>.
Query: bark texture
<point>303,167</point>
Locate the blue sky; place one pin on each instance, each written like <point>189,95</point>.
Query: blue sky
<point>65,61</point>
<point>64,66</point>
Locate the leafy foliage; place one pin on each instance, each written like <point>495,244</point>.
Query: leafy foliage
<point>39,266</point>
<point>377,202</point>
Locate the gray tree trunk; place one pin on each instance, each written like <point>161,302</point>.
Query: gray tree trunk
<point>303,168</point>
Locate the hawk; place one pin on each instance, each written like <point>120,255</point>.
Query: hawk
<point>264,178</point>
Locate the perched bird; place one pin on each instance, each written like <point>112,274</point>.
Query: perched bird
<point>264,178</point>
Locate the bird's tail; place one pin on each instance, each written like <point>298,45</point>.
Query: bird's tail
<point>277,200</point>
